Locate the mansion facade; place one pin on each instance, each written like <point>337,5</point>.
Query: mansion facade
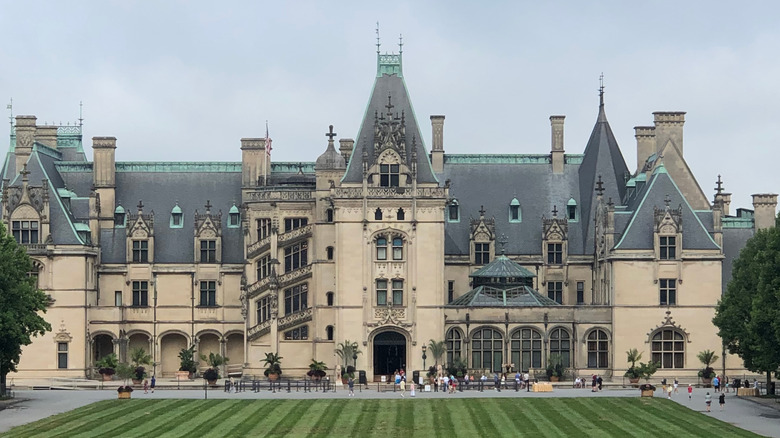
<point>509,258</point>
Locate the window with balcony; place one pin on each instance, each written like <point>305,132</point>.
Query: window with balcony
<point>293,223</point>
<point>25,231</point>
<point>140,294</point>
<point>263,267</point>
<point>263,228</point>
<point>296,298</point>
<point>140,251</point>
<point>208,293</point>
<point>263,309</point>
<point>296,256</point>
<point>297,334</point>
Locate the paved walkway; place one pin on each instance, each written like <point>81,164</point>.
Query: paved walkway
<point>35,405</point>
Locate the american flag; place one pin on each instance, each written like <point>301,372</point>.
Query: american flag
<point>267,140</point>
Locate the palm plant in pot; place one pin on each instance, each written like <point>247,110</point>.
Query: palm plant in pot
<point>273,366</point>
<point>186,363</point>
<point>646,370</point>
<point>107,366</point>
<point>347,351</point>
<point>555,368</point>
<point>215,361</point>
<point>633,372</point>
<point>317,370</point>
<point>707,357</point>
<point>139,358</point>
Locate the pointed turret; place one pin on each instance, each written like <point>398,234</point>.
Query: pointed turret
<point>602,158</point>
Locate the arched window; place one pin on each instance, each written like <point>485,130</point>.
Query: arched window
<point>515,214</point>
<point>526,349</point>
<point>119,216</point>
<point>453,211</point>
<point>329,298</point>
<point>669,348</point>
<point>598,349</point>
<point>378,214</point>
<point>398,248</point>
<point>571,210</point>
<point>454,345</point>
<point>400,215</point>
<point>381,248</point>
<point>329,332</point>
<point>329,252</point>
<point>560,344</point>
<point>487,350</point>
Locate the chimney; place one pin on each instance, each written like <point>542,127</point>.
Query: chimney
<point>345,148</point>
<point>104,176</point>
<point>556,125</point>
<point>25,137</point>
<point>253,158</point>
<point>764,207</point>
<point>725,203</point>
<point>47,136</point>
<point>645,145</point>
<point>669,127</point>
<point>437,146</point>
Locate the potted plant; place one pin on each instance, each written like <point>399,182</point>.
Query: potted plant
<point>633,373</point>
<point>646,370</point>
<point>139,358</point>
<point>125,372</point>
<point>707,357</point>
<point>347,351</point>
<point>124,392</point>
<point>349,373</point>
<point>431,374</point>
<point>458,367</point>
<point>647,389</point>
<point>273,366</point>
<point>107,366</point>
<point>555,368</point>
<point>437,350</point>
<point>187,363</point>
<point>317,370</point>
<point>215,361</point>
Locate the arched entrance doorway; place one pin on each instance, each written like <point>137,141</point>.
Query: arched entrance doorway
<point>102,346</point>
<point>389,352</point>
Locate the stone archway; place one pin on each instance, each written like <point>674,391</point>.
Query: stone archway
<point>138,340</point>
<point>102,346</point>
<point>208,343</point>
<point>234,350</point>
<point>389,352</point>
<point>170,346</point>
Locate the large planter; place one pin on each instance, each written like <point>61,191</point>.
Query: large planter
<point>182,375</point>
<point>706,381</point>
<point>124,395</point>
<point>137,381</point>
<point>554,378</point>
<point>107,377</point>
<point>273,377</point>
<point>647,393</point>
<point>212,382</point>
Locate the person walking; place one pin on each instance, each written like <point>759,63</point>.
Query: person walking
<point>726,383</point>
<point>599,381</point>
<point>594,384</point>
<point>402,385</point>
<point>722,400</point>
<point>497,382</point>
<point>708,400</point>
<point>153,383</point>
<point>716,383</point>
<point>690,391</point>
<point>351,384</point>
<point>526,382</point>
<point>669,392</point>
<point>146,386</point>
<point>676,384</point>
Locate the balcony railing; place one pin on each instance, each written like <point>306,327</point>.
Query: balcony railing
<point>390,192</point>
<point>258,247</point>
<point>294,319</point>
<point>293,276</point>
<point>259,330</point>
<point>258,287</point>
<point>295,234</point>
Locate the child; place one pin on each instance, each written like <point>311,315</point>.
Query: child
<point>722,400</point>
<point>403,387</point>
<point>146,386</point>
<point>669,392</point>
<point>690,391</point>
<point>411,390</point>
<point>351,383</point>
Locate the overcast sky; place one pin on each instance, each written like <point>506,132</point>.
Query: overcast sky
<point>176,80</point>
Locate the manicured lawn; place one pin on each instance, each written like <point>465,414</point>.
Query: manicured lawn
<point>467,417</point>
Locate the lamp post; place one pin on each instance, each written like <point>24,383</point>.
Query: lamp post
<point>424,349</point>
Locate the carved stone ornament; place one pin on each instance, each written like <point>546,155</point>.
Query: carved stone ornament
<point>62,335</point>
<point>668,220</point>
<point>668,322</point>
<point>143,225</point>
<point>555,229</point>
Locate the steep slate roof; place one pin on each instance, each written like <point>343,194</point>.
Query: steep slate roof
<point>602,158</point>
<point>493,181</point>
<point>485,296</point>
<point>734,239</point>
<point>639,234</point>
<point>391,84</point>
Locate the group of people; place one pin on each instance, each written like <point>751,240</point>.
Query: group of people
<point>147,386</point>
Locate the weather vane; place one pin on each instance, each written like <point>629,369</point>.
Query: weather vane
<point>377,37</point>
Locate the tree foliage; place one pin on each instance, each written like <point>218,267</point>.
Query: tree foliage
<point>21,305</point>
<point>437,350</point>
<point>748,315</point>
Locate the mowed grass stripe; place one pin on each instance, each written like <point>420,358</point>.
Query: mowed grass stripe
<point>246,411</point>
<point>636,412</point>
<point>52,422</point>
<point>545,425</point>
<point>698,426</point>
<point>369,411</point>
<point>605,421</point>
<point>459,417</point>
<point>261,411</point>
<point>114,407</point>
<point>173,415</point>
<point>436,414</point>
<point>501,421</point>
<point>553,408</point>
<point>347,417</point>
<point>482,418</point>
<point>146,411</point>
<point>405,418</point>
<point>386,419</point>
<point>288,415</point>
<point>520,421</point>
<point>201,420</point>
<point>583,416</point>
<point>316,419</point>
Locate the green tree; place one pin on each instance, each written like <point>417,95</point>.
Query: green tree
<point>748,315</point>
<point>437,350</point>
<point>21,305</point>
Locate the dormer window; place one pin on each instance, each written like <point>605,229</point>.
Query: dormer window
<point>515,215</point>
<point>389,175</point>
<point>571,210</point>
<point>453,211</point>
<point>25,231</point>
<point>119,217</point>
<point>668,247</point>
<point>234,217</point>
<point>177,218</point>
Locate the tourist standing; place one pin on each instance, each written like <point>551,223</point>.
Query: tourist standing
<point>411,389</point>
<point>154,382</point>
<point>527,381</point>
<point>402,385</point>
<point>351,383</point>
<point>722,400</point>
<point>594,384</point>
<point>600,382</point>
<point>690,391</point>
<point>676,384</point>
<point>726,383</point>
<point>146,386</point>
<point>497,382</point>
<point>716,383</point>
<point>708,400</point>
<point>669,392</point>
